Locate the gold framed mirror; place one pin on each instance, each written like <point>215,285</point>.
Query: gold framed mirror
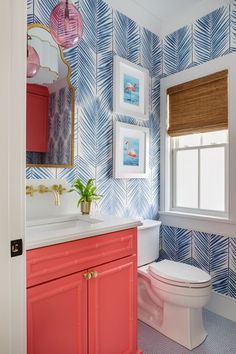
<point>50,104</point>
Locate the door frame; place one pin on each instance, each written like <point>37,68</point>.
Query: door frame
<point>12,177</point>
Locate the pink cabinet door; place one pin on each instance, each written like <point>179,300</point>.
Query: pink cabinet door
<point>112,308</point>
<point>57,316</point>
<point>37,118</point>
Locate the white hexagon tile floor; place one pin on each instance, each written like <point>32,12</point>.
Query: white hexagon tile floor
<point>221,338</point>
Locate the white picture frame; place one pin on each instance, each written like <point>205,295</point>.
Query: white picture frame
<point>130,151</point>
<point>130,89</point>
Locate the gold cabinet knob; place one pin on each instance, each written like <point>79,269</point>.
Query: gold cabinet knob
<point>90,275</point>
<point>87,276</point>
<point>94,274</point>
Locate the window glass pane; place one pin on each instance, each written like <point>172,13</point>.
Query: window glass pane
<point>189,140</point>
<point>187,178</point>
<point>212,178</point>
<point>220,137</point>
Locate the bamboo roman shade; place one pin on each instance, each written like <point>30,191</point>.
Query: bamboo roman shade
<point>199,105</point>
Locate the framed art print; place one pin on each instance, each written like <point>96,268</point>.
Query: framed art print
<point>130,151</point>
<point>130,89</point>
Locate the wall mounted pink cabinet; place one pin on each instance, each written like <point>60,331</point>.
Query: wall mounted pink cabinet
<point>82,296</point>
<point>37,118</point>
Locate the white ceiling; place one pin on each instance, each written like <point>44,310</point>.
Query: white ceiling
<point>165,16</point>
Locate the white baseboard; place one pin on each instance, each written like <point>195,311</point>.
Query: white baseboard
<point>222,305</point>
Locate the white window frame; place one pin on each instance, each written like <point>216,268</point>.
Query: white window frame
<point>220,224</point>
<point>199,211</point>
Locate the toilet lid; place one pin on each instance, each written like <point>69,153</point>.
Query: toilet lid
<point>179,272</point>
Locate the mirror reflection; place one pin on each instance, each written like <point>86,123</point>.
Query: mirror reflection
<point>50,102</point>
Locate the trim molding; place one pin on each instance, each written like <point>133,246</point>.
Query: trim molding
<point>222,305</point>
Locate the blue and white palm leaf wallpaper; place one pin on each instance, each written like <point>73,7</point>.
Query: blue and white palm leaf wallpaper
<point>88,128</point>
<point>133,42</point>
<point>156,56</point>
<point>71,55</point>
<point>168,242</point>
<point>43,9</point>
<point>30,11</point>
<point>201,250</point>
<point>81,169</point>
<point>146,38</point>
<point>219,248</point>
<point>155,92</point>
<point>233,26</point>
<point>44,173</point>
<point>96,134</point>
<point>88,10</point>
<point>232,268</point>
<point>120,23</point>
<point>104,27</point>
<point>183,245</point>
<point>177,51</point>
<point>138,198</point>
<point>113,189</point>
<point>211,35</point>
<point>86,73</point>
<point>108,32</point>
<point>105,78</point>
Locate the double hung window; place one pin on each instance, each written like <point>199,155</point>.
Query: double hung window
<point>198,134</point>
<point>200,172</point>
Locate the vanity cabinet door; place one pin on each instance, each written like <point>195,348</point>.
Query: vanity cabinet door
<point>37,118</point>
<point>57,316</point>
<point>112,308</point>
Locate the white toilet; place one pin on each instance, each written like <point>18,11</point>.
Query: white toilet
<point>171,294</point>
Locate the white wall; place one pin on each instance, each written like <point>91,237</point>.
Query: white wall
<point>12,177</point>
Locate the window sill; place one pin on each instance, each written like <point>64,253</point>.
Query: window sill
<point>205,223</point>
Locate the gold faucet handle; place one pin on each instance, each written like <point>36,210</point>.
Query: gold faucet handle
<point>30,190</point>
<point>42,189</point>
<point>58,188</point>
<point>61,189</point>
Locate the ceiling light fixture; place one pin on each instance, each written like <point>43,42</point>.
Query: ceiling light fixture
<point>66,24</point>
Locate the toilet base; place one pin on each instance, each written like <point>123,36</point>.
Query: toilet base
<point>183,325</point>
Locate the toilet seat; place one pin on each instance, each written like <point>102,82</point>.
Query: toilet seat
<point>179,274</point>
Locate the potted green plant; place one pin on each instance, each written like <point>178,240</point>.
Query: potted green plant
<point>87,194</point>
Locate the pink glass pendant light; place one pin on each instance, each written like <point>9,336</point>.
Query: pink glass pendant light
<point>33,61</point>
<point>66,24</point>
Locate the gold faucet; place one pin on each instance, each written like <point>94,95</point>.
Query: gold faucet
<point>56,190</point>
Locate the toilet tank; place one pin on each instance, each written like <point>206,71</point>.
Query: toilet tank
<point>148,241</point>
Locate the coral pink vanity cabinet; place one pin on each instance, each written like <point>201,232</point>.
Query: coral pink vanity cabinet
<point>81,296</point>
<point>37,118</point>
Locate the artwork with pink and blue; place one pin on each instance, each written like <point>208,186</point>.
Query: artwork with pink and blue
<point>131,90</point>
<point>130,151</point>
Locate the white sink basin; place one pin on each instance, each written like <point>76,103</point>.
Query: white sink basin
<point>66,221</point>
<point>58,226</point>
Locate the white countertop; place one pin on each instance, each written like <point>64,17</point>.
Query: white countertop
<point>46,232</point>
